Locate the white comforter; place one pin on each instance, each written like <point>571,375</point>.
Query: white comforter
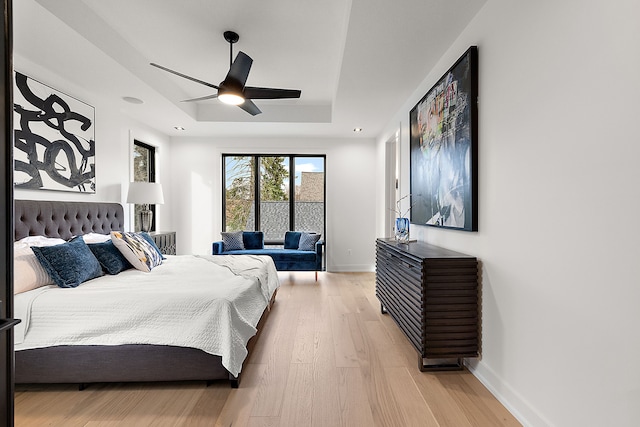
<point>212,303</point>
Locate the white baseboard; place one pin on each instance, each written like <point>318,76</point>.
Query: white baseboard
<point>511,399</point>
<point>351,268</point>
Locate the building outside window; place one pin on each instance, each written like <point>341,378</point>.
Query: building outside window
<point>274,194</point>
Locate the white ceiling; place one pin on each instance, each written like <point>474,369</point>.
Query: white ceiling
<point>356,62</point>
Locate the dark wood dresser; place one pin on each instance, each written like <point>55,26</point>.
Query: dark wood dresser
<point>432,294</point>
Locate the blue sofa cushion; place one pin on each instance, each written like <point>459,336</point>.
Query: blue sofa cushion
<point>293,255</point>
<point>253,239</point>
<point>292,239</point>
<point>278,254</point>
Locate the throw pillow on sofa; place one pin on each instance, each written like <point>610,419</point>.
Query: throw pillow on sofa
<point>253,239</point>
<point>292,239</point>
<point>232,241</point>
<point>308,241</point>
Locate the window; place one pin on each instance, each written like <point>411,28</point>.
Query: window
<point>144,169</point>
<point>274,194</point>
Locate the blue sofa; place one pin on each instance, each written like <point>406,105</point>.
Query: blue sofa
<point>290,258</point>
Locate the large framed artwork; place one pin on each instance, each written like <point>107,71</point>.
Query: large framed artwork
<point>54,139</point>
<point>444,149</point>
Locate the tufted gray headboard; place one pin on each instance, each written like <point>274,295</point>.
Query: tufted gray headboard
<point>65,219</point>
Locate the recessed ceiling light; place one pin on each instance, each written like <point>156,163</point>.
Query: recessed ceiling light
<point>132,100</point>
<point>357,129</point>
<point>178,128</point>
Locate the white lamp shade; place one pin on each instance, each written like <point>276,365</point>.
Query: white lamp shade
<point>145,193</point>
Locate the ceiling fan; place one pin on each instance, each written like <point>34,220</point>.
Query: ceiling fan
<point>232,89</point>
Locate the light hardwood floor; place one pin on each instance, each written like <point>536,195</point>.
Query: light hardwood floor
<point>326,357</point>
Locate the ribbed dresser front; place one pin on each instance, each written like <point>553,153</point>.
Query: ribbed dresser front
<point>432,294</point>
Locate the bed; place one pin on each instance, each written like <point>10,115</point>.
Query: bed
<point>186,296</point>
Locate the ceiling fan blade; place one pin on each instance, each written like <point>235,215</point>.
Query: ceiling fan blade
<point>250,107</point>
<point>193,79</point>
<point>202,98</point>
<point>270,93</point>
<point>240,68</point>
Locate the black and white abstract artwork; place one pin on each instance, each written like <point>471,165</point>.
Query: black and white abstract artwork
<point>54,147</point>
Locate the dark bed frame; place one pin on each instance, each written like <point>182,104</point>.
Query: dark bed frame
<point>95,364</point>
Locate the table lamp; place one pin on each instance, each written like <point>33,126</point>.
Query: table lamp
<point>145,193</point>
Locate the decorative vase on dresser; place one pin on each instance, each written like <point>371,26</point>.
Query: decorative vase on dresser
<point>432,293</point>
<point>402,230</point>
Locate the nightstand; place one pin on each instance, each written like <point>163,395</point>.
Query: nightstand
<point>165,240</point>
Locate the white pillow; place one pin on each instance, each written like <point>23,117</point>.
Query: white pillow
<point>137,250</point>
<point>41,241</point>
<point>96,238</point>
<point>28,273</point>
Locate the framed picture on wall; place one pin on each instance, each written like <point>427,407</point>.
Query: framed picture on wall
<point>444,149</point>
<point>54,139</point>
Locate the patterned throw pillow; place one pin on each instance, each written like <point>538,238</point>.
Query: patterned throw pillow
<point>232,241</point>
<point>137,250</point>
<point>308,241</point>
<point>69,264</point>
<point>149,239</point>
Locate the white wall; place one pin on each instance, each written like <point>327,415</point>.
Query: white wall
<point>114,135</point>
<point>558,194</point>
<point>46,49</point>
<point>558,153</point>
<point>350,172</point>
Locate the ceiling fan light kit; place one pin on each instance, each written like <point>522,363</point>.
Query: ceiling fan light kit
<point>230,92</point>
<point>232,89</point>
<point>231,98</point>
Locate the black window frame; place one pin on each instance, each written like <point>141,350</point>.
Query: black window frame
<point>292,189</point>
<point>151,178</point>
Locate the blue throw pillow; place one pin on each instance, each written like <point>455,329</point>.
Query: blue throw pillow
<point>308,241</point>
<point>253,239</point>
<point>291,239</point>
<point>69,264</point>
<point>109,257</point>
